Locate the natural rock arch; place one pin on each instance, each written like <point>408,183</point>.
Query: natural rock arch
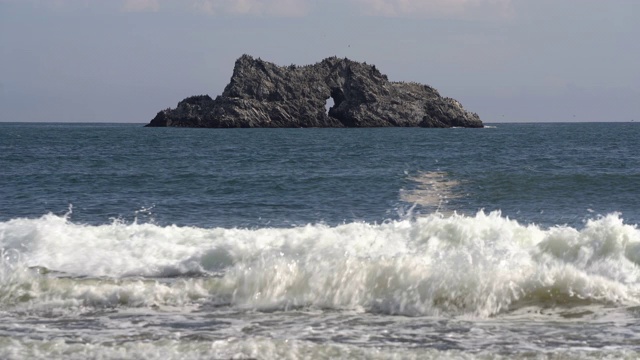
<point>262,94</point>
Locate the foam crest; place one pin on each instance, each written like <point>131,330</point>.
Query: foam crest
<point>480,265</point>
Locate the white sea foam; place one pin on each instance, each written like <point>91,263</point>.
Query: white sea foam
<point>262,348</point>
<point>481,265</point>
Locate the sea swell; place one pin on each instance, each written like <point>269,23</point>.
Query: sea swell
<point>482,266</point>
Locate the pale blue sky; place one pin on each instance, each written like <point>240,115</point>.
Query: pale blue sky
<point>507,60</point>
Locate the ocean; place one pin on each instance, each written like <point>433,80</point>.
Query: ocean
<point>516,241</point>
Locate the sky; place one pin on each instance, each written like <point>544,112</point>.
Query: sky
<point>507,60</point>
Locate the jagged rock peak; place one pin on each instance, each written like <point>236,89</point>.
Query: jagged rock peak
<point>263,94</point>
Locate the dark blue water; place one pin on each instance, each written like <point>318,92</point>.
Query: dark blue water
<point>536,173</point>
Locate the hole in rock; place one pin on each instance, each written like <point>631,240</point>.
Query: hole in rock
<point>329,104</point>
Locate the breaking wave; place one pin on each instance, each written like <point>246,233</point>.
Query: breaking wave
<point>482,265</point>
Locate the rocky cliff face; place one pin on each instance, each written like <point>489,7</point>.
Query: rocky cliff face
<point>262,94</point>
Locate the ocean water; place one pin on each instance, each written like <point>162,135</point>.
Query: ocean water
<point>512,241</point>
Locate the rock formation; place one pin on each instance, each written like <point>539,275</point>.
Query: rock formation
<point>262,94</point>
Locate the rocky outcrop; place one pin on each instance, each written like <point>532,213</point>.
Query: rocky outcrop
<point>262,94</point>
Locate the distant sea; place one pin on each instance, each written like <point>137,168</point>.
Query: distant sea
<point>516,241</point>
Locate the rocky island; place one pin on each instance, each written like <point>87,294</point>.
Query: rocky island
<point>262,94</point>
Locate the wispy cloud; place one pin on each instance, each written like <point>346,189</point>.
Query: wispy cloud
<point>53,4</point>
<point>287,8</point>
<point>298,8</point>
<point>436,8</point>
<point>140,5</point>
<point>387,8</point>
